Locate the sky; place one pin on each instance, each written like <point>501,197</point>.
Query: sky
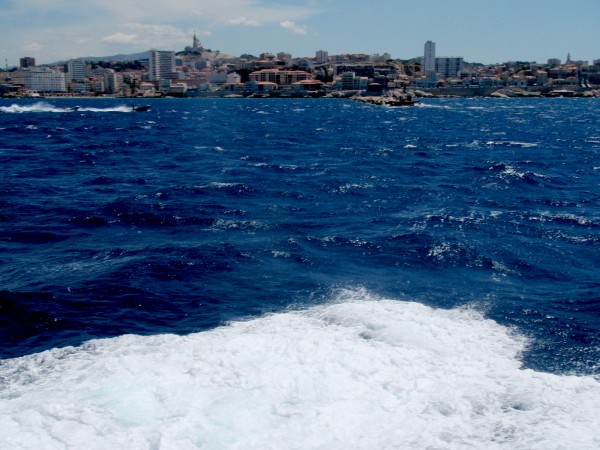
<point>480,31</point>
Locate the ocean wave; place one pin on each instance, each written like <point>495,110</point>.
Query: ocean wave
<point>510,173</point>
<point>564,219</point>
<point>360,372</point>
<point>36,107</point>
<point>512,144</point>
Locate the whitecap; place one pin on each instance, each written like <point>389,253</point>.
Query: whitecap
<point>120,108</point>
<point>512,144</point>
<point>35,107</point>
<point>280,254</point>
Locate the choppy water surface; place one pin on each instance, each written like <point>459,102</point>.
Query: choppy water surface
<point>423,277</point>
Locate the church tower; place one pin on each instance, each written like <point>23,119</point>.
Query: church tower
<point>196,43</point>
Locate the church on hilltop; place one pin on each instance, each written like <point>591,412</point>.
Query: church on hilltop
<point>196,48</point>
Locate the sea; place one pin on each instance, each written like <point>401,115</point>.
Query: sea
<point>300,274</point>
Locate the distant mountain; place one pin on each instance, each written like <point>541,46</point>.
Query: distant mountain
<point>115,58</point>
<point>207,54</point>
<point>120,57</point>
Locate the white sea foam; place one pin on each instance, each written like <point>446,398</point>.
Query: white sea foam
<point>35,107</point>
<point>280,254</point>
<point>121,108</point>
<point>513,144</point>
<point>545,216</point>
<point>349,187</point>
<point>41,107</point>
<point>431,105</point>
<point>360,373</point>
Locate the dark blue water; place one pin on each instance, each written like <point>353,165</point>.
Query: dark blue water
<point>230,273</point>
<point>204,211</point>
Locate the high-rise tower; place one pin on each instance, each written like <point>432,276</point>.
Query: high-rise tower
<point>321,57</point>
<point>429,57</point>
<point>76,69</point>
<point>161,64</point>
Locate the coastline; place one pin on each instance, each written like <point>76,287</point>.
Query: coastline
<point>379,98</point>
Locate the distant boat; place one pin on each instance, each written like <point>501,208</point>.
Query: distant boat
<point>140,108</point>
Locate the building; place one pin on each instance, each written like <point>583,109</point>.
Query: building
<point>267,56</point>
<point>83,86</point>
<point>196,47</point>
<point>307,86</point>
<point>321,57</point>
<point>233,78</point>
<point>424,82</point>
<point>449,66</point>
<point>76,69</point>
<point>541,77</point>
<point>161,65</point>
<point>178,89</point>
<point>218,78</point>
<point>361,70</point>
<point>26,62</point>
<point>349,81</point>
<point>284,56</point>
<point>380,58</point>
<point>99,86</point>
<point>429,57</point>
<point>260,86</point>
<point>41,79</point>
<point>553,62</point>
<point>280,77</point>
<point>112,81</point>
<point>196,43</point>
<point>146,89</point>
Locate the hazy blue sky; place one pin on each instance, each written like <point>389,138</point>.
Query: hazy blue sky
<point>479,31</point>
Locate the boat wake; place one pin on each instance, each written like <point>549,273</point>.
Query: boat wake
<point>43,107</point>
<point>359,372</point>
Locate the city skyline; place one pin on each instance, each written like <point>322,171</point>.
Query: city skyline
<point>50,31</point>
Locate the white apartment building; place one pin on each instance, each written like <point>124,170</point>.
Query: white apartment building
<point>429,57</point>
<point>112,81</point>
<point>161,65</point>
<point>76,69</point>
<point>41,79</point>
